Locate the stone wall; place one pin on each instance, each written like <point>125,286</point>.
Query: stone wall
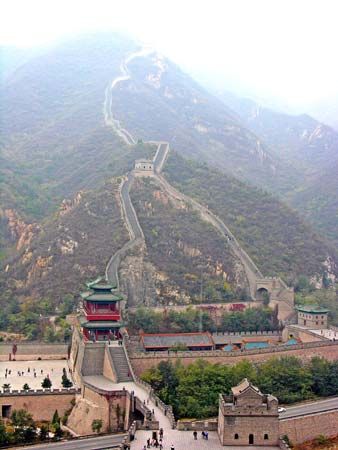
<point>300,429</point>
<point>112,408</point>
<point>327,350</point>
<point>41,405</point>
<point>30,351</point>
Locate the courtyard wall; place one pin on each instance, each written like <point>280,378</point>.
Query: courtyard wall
<point>41,405</point>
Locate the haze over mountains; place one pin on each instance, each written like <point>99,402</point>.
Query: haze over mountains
<point>54,143</point>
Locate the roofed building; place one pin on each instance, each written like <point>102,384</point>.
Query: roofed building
<point>312,316</point>
<point>166,341</point>
<point>144,165</point>
<point>101,304</point>
<point>248,417</point>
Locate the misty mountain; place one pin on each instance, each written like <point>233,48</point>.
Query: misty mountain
<point>307,144</point>
<point>310,147</point>
<point>160,101</point>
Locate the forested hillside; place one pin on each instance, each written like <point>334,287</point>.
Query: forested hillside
<point>272,233</point>
<point>193,262</point>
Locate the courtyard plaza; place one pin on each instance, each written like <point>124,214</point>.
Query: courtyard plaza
<point>181,440</point>
<point>51,368</point>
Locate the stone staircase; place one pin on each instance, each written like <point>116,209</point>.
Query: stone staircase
<point>93,360</point>
<point>120,363</point>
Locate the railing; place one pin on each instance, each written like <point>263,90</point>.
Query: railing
<point>103,316</point>
<point>166,409</point>
<point>130,436</point>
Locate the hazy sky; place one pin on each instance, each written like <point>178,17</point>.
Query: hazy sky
<point>281,48</point>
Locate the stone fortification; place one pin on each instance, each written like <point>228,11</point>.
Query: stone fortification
<point>326,349</point>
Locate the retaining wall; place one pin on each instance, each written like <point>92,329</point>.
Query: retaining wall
<point>305,428</point>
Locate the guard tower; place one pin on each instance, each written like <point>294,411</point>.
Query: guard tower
<point>312,316</point>
<point>101,305</point>
<point>248,417</point>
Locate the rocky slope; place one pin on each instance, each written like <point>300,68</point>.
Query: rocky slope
<point>190,259</point>
<point>54,260</point>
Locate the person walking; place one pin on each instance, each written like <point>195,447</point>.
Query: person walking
<point>161,433</point>
<point>195,435</point>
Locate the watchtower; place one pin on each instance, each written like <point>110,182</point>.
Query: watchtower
<point>312,316</point>
<point>248,417</point>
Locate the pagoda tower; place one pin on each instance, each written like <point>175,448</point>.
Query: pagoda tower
<point>101,305</point>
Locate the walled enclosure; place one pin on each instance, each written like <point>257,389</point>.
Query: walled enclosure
<point>41,405</point>
<point>327,350</point>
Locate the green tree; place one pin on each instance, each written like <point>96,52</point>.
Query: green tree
<point>286,378</point>
<point>4,438</point>
<point>46,383</point>
<point>43,435</point>
<point>56,417</point>
<point>97,425</point>
<point>25,387</point>
<point>66,383</point>
<point>21,418</point>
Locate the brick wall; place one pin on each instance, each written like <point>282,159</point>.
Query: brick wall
<point>41,406</point>
<point>305,428</point>
<point>327,350</point>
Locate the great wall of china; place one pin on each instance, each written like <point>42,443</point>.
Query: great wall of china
<point>108,373</point>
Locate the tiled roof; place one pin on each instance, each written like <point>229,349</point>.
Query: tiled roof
<point>312,309</point>
<point>172,339</point>
<point>243,386</point>
<point>107,297</point>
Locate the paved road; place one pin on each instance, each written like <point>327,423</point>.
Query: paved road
<point>104,442</point>
<point>310,408</point>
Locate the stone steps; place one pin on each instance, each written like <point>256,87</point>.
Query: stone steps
<point>120,364</point>
<point>93,360</point>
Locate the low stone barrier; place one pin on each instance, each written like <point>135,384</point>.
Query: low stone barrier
<point>16,392</point>
<point>197,425</point>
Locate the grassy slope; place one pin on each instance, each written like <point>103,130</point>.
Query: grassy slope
<point>272,233</point>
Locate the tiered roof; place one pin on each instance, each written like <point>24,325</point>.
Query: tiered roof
<point>101,292</point>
